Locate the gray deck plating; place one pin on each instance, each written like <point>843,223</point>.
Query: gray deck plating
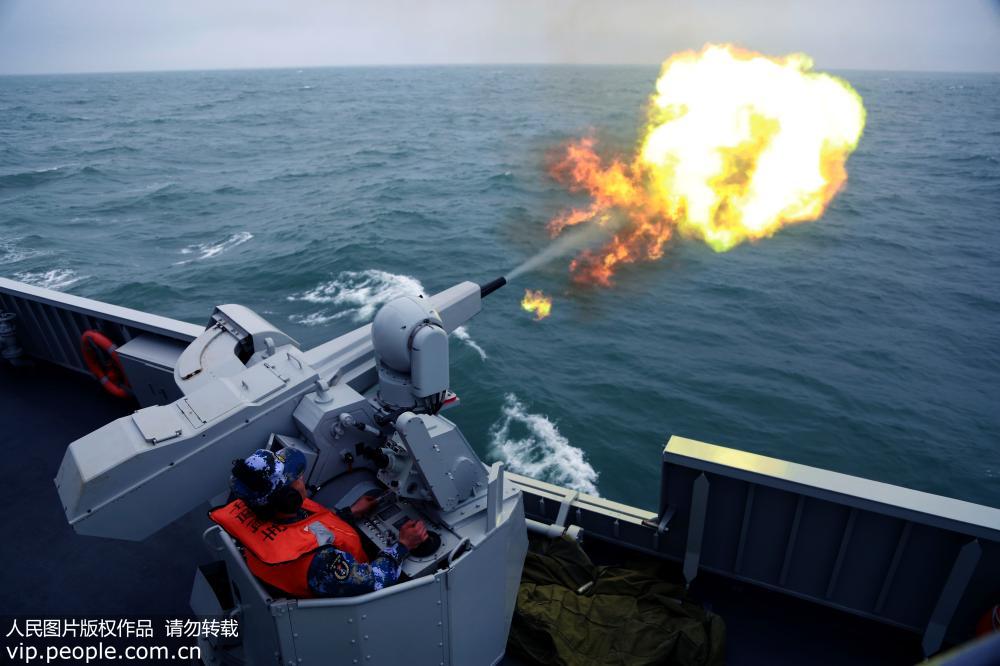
<point>49,569</point>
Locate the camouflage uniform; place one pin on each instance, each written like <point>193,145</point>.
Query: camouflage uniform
<point>332,572</point>
<point>335,573</point>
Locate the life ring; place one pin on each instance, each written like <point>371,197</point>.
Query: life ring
<point>101,357</point>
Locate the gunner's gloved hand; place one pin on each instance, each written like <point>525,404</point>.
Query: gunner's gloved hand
<point>412,533</point>
<point>363,506</point>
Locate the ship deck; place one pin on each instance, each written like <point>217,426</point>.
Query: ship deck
<point>51,571</point>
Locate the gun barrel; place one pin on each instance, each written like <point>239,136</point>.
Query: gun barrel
<point>491,286</point>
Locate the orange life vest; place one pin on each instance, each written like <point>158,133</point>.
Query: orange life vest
<point>280,553</point>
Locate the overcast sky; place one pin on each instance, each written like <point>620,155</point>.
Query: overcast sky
<point>46,36</point>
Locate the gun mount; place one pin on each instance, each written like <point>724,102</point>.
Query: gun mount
<point>364,409</point>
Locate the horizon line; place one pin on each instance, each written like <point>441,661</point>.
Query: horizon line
<point>453,64</point>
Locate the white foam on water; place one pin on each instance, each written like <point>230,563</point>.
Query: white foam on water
<point>316,318</point>
<point>57,278</point>
<point>11,252</point>
<point>532,445</point>
<point>359,295</point>
<point>461,333</point>
<point>209,250</point>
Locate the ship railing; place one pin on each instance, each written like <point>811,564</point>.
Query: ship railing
<point>49,323</point>
<point>914,560</point>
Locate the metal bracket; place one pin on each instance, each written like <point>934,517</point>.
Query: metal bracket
<point>494,497</point>
<point>661,527</point>
<point>696,527</point>
<point>951,595</point>
<point>564,507</point>
<point>464,543</point>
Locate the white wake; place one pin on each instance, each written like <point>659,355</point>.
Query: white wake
<point>359,295</point>
<point>532,445</point>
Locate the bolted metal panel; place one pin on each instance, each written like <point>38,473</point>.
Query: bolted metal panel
<point>821,528</point>
<point>744,527</point>
<point>71,333</point>
<point>876,550</point>
<point>256,624</point>
<point>793,535</point>
<point>726,506</point>
<point>866,560</point>
<point>920,574</point>
<point>890,574</point>
<point>60,352</point>
<point>767,534</point>
<point>677,484</point>
<point>951,595</point>
<point>399,624</point>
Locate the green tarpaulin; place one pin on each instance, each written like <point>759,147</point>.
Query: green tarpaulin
<point>571,612</point>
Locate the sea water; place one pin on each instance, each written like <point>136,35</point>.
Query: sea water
<point>867,342</point>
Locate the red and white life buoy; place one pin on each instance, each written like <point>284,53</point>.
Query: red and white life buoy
<point>101,357</point>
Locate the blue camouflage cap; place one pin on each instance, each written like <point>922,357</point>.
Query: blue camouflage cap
<point>260,474</point>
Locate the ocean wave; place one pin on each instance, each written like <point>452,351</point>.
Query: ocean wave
<point>40,117</point>
<point>396,152</point>
<point>209,250</point>
<point>973,158</point>
<point>32,177</point>
<point>539,450</point>
<point>112,150</point>
<point>57,278</point>
<point>359,295</point>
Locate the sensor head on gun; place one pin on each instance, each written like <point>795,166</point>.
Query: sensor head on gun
<point>411,354</point>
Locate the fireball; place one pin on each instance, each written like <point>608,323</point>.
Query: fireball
<point>737,146</point>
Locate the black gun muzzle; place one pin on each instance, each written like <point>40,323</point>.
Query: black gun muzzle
<point>491,286</point>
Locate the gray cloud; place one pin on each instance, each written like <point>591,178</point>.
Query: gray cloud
<point>40,36</point>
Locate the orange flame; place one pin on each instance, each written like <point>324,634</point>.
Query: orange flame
<point>737,145</point>
<point>537,302</point>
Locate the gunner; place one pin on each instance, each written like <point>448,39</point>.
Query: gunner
<point>297,545</point>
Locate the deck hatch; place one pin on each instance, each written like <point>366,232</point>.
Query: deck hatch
<point>157,424</point>
<point>209,403</point>
<point>259,382</point>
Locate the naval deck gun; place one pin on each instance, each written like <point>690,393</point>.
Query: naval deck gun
<point>365,410</point>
